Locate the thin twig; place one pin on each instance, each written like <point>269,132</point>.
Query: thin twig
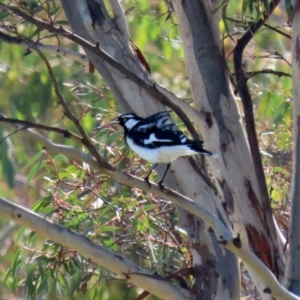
<point>12,133</point>
<point>26,124</point>
<point>247,24</point>
<point>278,31</point>
<point>249,75</point>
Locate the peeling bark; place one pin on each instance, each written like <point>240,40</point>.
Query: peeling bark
<point>228,197</point>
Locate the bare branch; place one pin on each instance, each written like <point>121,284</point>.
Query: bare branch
<point>245,95</point>
<point>245,24</point>
<point>249,75</point>
<point>56,50</point>
<point>26,125</point>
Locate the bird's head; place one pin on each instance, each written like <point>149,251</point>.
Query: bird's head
<point>127,121</point>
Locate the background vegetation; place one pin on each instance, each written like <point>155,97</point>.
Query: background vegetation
<point>143,227</point>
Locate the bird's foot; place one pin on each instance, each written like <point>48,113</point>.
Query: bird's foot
<point>161,186</point>
<point>146,179</point>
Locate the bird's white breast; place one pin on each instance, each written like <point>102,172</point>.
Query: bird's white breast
<point>165,154</point>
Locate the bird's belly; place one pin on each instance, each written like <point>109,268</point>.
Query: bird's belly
<point>165,154</point>
<point>150,155</point>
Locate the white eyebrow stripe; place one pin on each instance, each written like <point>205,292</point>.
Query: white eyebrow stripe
<point>152,138</point>
<point>130,123</point>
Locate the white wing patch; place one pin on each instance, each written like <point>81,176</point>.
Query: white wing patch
<point>145,127</point>
<point>164,121</point>
<point>152,138</point>
<point>183,139</point>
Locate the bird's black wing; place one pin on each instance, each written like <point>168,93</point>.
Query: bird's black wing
<point>161,120</point>
<point>159,130</point>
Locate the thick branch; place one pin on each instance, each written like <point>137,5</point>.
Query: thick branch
<point>245,95</point>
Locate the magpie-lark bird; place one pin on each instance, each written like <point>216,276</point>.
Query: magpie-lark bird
<point>157,139</point>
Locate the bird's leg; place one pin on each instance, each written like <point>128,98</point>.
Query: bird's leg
<point>149,173</point>
<point>162,178</point>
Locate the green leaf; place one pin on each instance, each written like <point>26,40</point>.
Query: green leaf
<point>15,266</point>
<point>43,287</point>
<point>104,210</point>
<point>114,137</point>
<point>34,170</point>
<point>33,160</point>
<point>30,280</point>
<point>3,15</point>
<point>41,203</point>
<point>134,225</point>
<point>20,234</point>
<point>62,158</point>
<point>62,22</point>
<point>9,171</point>
<point>65,282</point>
<point>219,6</point>
<point>107,228</point>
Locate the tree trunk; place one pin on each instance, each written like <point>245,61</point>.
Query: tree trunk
<point>250,215</point>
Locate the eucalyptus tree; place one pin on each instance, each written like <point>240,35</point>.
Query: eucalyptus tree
<point>225,216</point>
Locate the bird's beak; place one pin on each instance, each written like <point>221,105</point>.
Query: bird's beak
<point>115,121</point>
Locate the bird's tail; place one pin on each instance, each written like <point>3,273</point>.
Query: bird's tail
<point>198,147</point>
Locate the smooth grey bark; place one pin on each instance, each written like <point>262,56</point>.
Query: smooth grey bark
<point>292,275</point>
<point>214,279</point>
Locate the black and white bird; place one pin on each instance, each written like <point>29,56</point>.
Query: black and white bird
<point>157,139</point>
